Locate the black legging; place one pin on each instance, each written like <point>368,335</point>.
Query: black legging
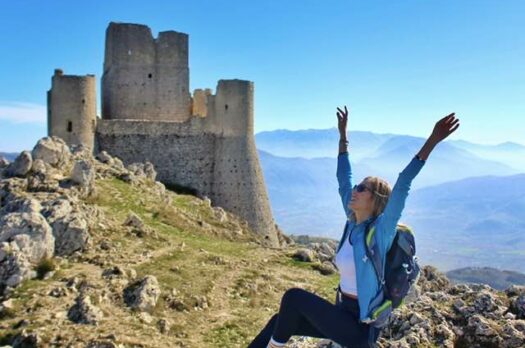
<point>305,314</point>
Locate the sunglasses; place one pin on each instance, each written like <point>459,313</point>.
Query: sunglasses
<point>361,188</point>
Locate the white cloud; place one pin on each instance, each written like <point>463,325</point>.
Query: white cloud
<point>18,112</point>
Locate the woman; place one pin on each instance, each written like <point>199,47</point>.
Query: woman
<point>373,203</point>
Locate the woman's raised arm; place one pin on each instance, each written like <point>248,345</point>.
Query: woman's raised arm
<point>344,171</point>
<point>342,121</point>
<point>443,128</point>
<point>392,213</point>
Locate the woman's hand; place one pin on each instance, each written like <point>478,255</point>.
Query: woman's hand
<point>444,127</point>
<point>342,119</point>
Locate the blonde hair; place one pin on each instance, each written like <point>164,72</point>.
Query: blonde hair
<point>380,190</point>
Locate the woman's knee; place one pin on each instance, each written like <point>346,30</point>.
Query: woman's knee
<point>293,295</point>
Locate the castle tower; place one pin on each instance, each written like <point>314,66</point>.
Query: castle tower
<point>238,182</point>
<point>72,108</point>
<point>145,78</point>
<point>204,143</point>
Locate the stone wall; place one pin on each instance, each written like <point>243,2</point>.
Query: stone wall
<point>224,167</point>
<point>145,78</point>
<point>72,108</point>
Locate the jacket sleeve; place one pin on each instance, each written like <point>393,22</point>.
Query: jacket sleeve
<point>396,201</point>
<point>344,178</point>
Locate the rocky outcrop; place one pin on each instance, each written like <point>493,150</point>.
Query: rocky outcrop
<point>71,234</point>
<point>456,315</point>
<point>21,166</point>
<point>83,174</point>
<point>84,311</point>
<point>305,255</point>
<point>52,150</point>
<point>42,213</point>
<point>30,232</point>
<point>14,266</point>
<point>143,295</point>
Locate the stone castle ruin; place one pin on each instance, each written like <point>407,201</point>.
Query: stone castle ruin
<point>202,141</point>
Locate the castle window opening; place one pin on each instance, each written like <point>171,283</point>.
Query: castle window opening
<point>150,76</point>
<point>69,126</point>
<point>83,101</point>
<point>226,107</point>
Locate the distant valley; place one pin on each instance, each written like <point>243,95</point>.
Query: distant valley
<point>10,156</point>
<point>467,210</point>
<point>495,278</point>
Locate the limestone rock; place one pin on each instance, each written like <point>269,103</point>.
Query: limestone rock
<point>137,225</point>
<point>143,295</point>
<point>14,266</point>
<point>481,326</point>
<point>3,162</point>
<point>325,268</point>
<point>71,234</point>
<point>80,151</point>
<point>56,209</point>
<point>83,174</point>
<point>149,171</point>
<point>515,290</point>
<point>104,157</point>
<point>119,272</point>
<point>22,205</point>
<point>39,167</point>
<point>43,178</point>
<point>84,312</point>
<point>160,188</point>
<point>220,214</point>
<point>432,280</point>
<point>513,338</point>
<point>518,306</point>
<point>305,255</point>
<point>164,326</point>
<point>486,302</point>
<point>21,166</point>
<point>137,169</point>
<point>175,303</point>
<point>52,150</point>
<point>200,302</point>
<point>133,220</point>
<point>327,249</point>
<point>26,340</point>
<point>31,233</point>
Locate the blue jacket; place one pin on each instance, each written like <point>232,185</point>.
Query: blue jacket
<point>368,287</point>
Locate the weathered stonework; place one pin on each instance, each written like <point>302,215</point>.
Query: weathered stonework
<point>205,142</point>
<point>145,78</point>
<point>72,108</point>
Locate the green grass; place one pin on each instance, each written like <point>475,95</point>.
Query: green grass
<point>242,281</point>
<point>231,334</point>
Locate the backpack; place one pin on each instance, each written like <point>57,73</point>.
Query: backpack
<point>401,272</point>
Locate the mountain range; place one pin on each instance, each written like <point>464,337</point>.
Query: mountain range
<point>10,156</point>
<point>466,208</point>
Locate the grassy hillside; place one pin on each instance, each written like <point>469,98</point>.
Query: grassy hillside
<point>219,286</point>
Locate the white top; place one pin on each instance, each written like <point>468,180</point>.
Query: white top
<point>344,261</point>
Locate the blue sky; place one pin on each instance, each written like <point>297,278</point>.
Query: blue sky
<point>399,65</point>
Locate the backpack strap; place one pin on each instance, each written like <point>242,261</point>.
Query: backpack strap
<point>404,242</point>
<point>373,252</point>
<point>343,238</point>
